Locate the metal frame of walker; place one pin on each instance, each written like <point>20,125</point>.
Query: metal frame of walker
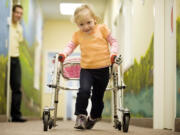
<point>121,117</point>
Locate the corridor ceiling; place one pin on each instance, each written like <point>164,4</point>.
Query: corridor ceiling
<point>50,8</point>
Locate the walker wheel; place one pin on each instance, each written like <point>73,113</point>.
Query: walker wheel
<point>119,125</point>
<point>126,120</point>
<point>50,123</point>
<point>45,121</point>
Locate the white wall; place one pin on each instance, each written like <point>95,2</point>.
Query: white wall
<point>170,66</point>
<point>177,7</point>
<point>142,26</point>
<point>132,24</point>
<point>164,66</point>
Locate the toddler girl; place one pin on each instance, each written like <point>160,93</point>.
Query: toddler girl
<point>96,57</point>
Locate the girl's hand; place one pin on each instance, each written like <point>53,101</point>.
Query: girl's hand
<point>113,57</point>
<point>61,58</point>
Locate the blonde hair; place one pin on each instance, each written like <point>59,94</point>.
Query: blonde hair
<point>78,15</point>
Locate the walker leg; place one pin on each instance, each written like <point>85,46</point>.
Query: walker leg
<point>55,106</point>
<point>117,123</point>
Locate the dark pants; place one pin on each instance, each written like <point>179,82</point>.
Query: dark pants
<point>15,83</point>
<point>98,79</point>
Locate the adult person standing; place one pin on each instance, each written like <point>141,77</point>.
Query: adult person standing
<point>16,37</point>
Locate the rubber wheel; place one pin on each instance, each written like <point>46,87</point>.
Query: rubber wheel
<point>119,126</point>
<point>126,120</point>
<point>45,121</point>
<point>50,123</point>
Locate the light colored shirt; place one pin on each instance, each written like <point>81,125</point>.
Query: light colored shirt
<point>95,52</point>
<point>16,36</point>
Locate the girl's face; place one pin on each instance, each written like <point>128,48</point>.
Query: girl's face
<point>86,23</point>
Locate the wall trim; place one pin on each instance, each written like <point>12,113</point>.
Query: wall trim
<point>3,118</point>
<point>142,122</point>
<point>177,125</point>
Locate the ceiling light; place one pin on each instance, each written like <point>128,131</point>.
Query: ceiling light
<point>68,8</point>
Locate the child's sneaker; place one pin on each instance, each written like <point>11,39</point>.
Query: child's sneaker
<point>80,122</point>
<point>91,122</point>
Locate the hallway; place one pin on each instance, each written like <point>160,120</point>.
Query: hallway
<point>66,128</point>
<point>148,36</point>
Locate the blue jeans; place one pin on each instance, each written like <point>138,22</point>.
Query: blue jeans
<point>97,79</point>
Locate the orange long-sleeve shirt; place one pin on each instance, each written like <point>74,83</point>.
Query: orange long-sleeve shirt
<point>95,52</point>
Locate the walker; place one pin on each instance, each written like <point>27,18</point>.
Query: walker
<point>70,70</point>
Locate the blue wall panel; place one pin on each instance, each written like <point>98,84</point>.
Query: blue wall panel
<point>4,28</point>
<point>5,6</point>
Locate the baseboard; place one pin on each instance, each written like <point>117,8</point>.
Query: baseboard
<point>3,118</point>
<point>106,120</point>
<point>142,122</point>
<point>58,118</point>
<point>177,125</point>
